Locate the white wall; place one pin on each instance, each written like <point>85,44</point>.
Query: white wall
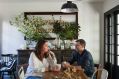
<point>89,20</point>
<point>109,4</point>
<point>0,36</point>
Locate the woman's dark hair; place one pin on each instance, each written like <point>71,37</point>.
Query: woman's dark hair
<point>39,47</point>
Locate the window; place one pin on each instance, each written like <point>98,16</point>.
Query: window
<point>111,41</point>
<point>111,37</point>
<point>118,34</point>
<point>118,60</point>
<point>117,37</point>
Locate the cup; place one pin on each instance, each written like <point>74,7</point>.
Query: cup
<point>57,67</point>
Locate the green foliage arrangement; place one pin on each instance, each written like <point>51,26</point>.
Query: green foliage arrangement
<point>32,25</point>
<point>29,26</point>
<point>66,30</point>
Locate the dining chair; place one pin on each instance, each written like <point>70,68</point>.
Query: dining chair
<point>9,69</point>
<point>22,70</point>
<point>24,67</point>
<point>5,59</point>
<point>100,74</point>
<point>21,73</point>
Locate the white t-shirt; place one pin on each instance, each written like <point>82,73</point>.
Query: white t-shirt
<point>36,66</point>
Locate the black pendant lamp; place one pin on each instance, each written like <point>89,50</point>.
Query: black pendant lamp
<point>69,7</point>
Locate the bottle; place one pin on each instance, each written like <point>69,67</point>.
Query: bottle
<point>62,46</point>
<point>72,44</point>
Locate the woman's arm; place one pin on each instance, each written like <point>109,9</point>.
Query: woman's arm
<point>51,58</point>
<point>35,65</point>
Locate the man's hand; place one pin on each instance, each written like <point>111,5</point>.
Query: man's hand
<point>79,68</point>
<point>65,64</point>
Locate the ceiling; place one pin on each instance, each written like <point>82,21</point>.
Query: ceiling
<point>44,0</point>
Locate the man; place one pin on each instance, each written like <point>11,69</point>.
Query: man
<point>82,57</point>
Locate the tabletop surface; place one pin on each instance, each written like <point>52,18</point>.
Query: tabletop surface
<point>59,75</point>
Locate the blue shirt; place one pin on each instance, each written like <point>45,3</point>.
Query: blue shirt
<point>84,60</point>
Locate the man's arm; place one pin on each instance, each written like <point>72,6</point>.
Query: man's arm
<point>89,66</point>
<point>70,61</point>
<point>73,57</point>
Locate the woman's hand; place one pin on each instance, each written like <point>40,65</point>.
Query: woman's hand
<point>51,55</point>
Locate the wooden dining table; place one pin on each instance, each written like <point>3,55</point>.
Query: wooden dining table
<point>58,74</point>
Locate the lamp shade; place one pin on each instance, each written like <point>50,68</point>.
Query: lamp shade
<point>69,7</point>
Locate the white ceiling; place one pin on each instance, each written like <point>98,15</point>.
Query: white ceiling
<point>44,0</point>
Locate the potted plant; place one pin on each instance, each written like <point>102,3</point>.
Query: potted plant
<point>30,27</point>
<point>66,30</point>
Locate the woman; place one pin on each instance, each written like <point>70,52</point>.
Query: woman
<point>40,60</point>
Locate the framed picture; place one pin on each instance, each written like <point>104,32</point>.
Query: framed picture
<point>51,18</point>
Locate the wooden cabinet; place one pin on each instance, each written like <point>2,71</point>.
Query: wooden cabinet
<point>61,55</point>
<point>23,56</point>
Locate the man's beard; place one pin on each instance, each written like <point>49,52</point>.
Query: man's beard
<point>77,50</point>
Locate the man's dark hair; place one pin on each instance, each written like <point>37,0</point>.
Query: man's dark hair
<point>81,41</point>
